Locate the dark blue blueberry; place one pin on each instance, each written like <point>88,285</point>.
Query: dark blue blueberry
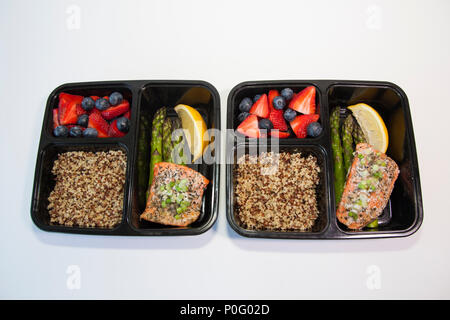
<point>289,114</point>
<point>265,124</point>
<point>83,120</point>
<point>123,124</point>
<point>279,102</point>
<point>61,131</point>
<point>314,129</point>
<point>242,116</point>
<point>90,133</point>
<point>88,104</point>
<point>75,132</point>
<point>245,105</point>
<point>115,98</point>
<point>256,98</point>
<point>287,93</point>
<point>102,104</point>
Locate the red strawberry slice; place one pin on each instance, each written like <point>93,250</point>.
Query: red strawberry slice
<point>80,110</point>
<point>272,94</point>
<point>95,98</point>
<point>113,131</point>
<point>279,134</point>
<point>97,122</point>
<point>249,127</point>
<point>116,111</point>
<point>55,118</point>
<point>277,119</point>
<point>305,101</point>
<point>127,114</point>
<point>67,108</point>
<point>261,107</point>
<point>301,122</point>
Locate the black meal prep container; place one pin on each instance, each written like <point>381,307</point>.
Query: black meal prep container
<point>145,98</point>
<point>403,214</point>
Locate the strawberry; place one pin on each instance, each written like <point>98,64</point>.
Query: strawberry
<point>55,118</point>
<point>304,101</point>
<point>95,98</point>
<point>301,122</point>
<point>261,107</point>
<point>67,108</point>
<point>127,114</point>
<point>279,134</point>
<point>272,94</point>
<point>116,111</point>
<point>113,131</point>
<point>80,110</point>
<point>277,119</point>
<point>249,127</point>
<point>97,122</point>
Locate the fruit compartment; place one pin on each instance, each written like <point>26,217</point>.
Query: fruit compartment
<point>44,183</point>
<point>321,225</point>
<point>153,95</point>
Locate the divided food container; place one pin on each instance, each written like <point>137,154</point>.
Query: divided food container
<point>145,98</point>
<point>403,214</point>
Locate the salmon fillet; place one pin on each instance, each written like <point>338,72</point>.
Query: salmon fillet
<point>368,187</point>
<point>175,195</point>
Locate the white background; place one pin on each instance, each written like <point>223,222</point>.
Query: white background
<point>225,43</point>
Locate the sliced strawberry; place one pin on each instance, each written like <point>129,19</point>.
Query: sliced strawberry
<point>261,107</point>
<point>272,94</point>
<point>305,101</point>
<point>277,119</point>
<point>113,131</point>
<point>127,114</point>
<point>80,110</point>
<point>95,98</point>
<point>97,122</point>
<point>67,108</point>
<point>249,127</point>
<point>279,134</point>
<point>116,111</point>
<point>301,122</point>
<point>55,118</point>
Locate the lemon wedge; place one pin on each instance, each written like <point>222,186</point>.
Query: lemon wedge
<point>194,128</point>
<point>372,125</point>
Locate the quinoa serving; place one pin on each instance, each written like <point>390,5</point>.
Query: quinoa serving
<point>89,189</point>
<point>277,191</point>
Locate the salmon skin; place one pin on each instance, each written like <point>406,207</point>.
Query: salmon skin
<point>368,187</point>
<point>175,196</point>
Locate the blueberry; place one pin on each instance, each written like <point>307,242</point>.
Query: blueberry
<point>287,93</point>
<point>242,116</point>
<point>123,124</point>
<point>75,132</point>
<point>61,131</point>
<point>115,98</point>
<point>102,104</point>
<point>88,104</point>
<point>289,114</point>
<point>83,120</point>
<point>314,129</point>
<point>279,102</point>
<point>265,124</point>
<point>256,98</point>
<point>90,133</point>
<point>245,105</point>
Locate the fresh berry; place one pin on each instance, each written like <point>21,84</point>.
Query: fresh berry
<point>88,104</point>
<point>95,98</point>
<point>67,108</point>
<point>287,93</point>
<point>97,122</point>
<point>265,124</point>
<point>272,94</point>
<point>305,101</point>
<point>90,133</point>
<point>301,122</point>
<point>249,127</point>
<point>115,98</point>
<point>75,132</point>
<point>116,111</point>
<point>276,117</point>
<point>245,105</point>
<point>102,104</point>
<point>127,114</point>
<point>113,131</point>
<point>289,115</point>
<point>242,116</point>
<point>61,131</point>
<point>261,107</point>
<point>279,134</point>
<point>83,120</point>
<point>279,102</point>
<point>256,98</point>
<point>123,124</point>
<point>314,129</point>
<point>55,118</point>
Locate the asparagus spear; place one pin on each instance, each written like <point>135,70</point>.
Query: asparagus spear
<point>347,142</point>
<point>167,145</point>
<point>156,142</point>
<point>339,176</point>
<point>358,134</point>
<point>178,145</point>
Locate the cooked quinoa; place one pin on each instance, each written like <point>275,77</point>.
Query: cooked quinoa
<point>277,191</point>
<point>89,189</point>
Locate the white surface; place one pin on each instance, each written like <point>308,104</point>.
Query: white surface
<point>224,43</point>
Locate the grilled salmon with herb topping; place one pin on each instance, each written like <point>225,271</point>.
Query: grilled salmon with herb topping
<point>368,187</point>
<point>175,195</point>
